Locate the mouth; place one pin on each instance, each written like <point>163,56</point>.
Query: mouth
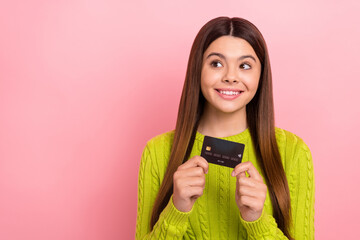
<point>229,92</point>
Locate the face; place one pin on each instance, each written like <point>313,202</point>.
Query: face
<point>230,74</point>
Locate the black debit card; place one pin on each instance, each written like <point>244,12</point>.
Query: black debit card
<point>222,152</point>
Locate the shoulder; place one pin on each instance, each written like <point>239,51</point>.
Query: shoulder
<point>158,148</point>
<point>292,148</point>
<point>286,139</point>
<point>163,140</point>
<point>155,157</point>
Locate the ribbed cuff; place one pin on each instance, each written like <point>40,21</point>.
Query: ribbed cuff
<point>173,216</point>
<point>258,227</point>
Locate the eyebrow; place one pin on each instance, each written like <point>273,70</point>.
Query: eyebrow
<point>223,57</point>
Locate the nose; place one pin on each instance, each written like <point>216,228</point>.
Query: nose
<point>231,75</point>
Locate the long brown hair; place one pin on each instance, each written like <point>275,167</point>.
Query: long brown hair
<point>259,111</point>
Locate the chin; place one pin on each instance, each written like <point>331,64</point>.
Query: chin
<point>229,110</point>
<point>225,108</point>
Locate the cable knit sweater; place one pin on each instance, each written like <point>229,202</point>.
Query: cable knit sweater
<point>215,214</point>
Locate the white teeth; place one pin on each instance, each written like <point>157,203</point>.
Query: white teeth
<point>229,93</point>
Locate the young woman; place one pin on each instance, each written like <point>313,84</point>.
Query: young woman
<point>227,94</point>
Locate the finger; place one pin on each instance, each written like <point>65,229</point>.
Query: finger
<point>196,161</point>
<point>240,175</point>
<point>249,168</point>
<point>191,172</point>
<point>193,182</point>
<point>249,191</point>
<point>251,182</point>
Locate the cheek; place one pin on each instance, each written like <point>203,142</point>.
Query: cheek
<point>207,84</point>
<point>210,78</point>
<point>255,84</point>
<point>205,80</point>
<point>204,87</point>
<point>252,82</point>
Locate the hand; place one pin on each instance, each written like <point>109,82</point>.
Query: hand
<point>189,183</point>
<point>250,191</point>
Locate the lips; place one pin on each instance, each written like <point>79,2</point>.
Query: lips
<point>229,94</point>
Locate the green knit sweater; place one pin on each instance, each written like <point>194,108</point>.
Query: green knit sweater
<point>215,214</point>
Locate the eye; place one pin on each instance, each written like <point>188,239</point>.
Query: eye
<point>216,64</point>
<point>245,66</point>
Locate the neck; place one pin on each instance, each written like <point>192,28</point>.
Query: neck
<point>219,124</point>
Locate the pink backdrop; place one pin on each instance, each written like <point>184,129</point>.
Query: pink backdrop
<point>84,85</point>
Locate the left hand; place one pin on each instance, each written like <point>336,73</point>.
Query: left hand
<point>250,191</point>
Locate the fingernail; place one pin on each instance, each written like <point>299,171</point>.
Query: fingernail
<point>232,173</point>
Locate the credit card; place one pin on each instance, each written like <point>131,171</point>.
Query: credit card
<point>222,152</point>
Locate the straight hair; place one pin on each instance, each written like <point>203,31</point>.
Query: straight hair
<point>259,112</point>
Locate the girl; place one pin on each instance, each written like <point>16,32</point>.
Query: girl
<point>227,94</point>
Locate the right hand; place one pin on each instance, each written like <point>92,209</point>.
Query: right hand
<point>189,182</point>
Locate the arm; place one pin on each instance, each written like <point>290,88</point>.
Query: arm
<point>172,223</point>
<point>302,194</point>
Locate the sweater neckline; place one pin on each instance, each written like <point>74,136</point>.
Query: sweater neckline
<point>237,137</point>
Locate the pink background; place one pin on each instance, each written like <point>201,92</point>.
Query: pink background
<point>84,85</point>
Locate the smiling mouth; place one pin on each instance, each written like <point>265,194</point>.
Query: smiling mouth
<point>229,92</point>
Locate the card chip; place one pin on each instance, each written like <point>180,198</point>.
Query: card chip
<point>208,148</point>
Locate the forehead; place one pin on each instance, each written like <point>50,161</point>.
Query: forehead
<point>231,47</point>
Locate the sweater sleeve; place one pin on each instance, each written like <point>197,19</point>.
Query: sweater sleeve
<point>172,223</point>
<point>302,194</point>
